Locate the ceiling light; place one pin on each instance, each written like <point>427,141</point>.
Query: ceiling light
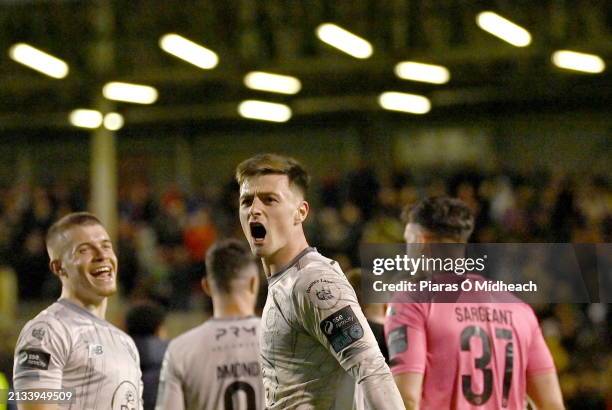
<point>284,84</point>
<point>572,60</point>
<point>189,51</point>
<point>266,111</point>
<point>38,60</point>
<point>428,73</point>
<point>411,103</point>
<point>134,93</point>
<point>344,40</point>
<point>503,28</point>
<point>86,118</point>
<point>113,121</point>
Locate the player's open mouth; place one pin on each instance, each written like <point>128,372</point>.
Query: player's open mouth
<point>102,273</point>
<point>258,231</point>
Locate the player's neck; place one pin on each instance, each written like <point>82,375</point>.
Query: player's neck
<point>233,306</point>
<point>281,258</point>
<point>97,309</point>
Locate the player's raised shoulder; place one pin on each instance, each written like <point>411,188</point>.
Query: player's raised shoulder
<point>323,286</point>
<point>45,327</point>
<point>43,340</point>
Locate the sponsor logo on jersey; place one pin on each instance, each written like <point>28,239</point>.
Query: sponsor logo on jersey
<point>23,357</point>
<point>95,350</point>
<point>397,341</point>
<point>356,331</point>
<point>33,359</point>
<point>342,328</point>
<point>125,397</point>
<point>38,333</point>
<point>324,293</point>
<point>236,331</point>
<point>328,328</point>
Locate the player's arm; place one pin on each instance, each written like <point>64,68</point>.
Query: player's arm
<point>140,390</point>
<point>545,392</point>
<point>327,308</point>
<point>375,381</point>
<point>542,382</point>
<point>405,322</point>
<point>170,391</point>
<point>410,385</point>
<point>40,356</point>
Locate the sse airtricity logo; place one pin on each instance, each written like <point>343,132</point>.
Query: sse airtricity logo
<point>23,357</point>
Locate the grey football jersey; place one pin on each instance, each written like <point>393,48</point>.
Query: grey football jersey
<point>313,332</point>
<point>67,347</point>
<point>213,367</point>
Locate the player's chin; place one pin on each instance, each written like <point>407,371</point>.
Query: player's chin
<point>107,289</point>
<point>107,292</point>
<point>264,250</point>
<point>259,251</point>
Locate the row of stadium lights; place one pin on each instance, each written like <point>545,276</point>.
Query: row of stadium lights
<point>331,34</point>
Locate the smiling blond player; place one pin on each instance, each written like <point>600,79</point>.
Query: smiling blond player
<point>69,345</point>
<point>313,330</point>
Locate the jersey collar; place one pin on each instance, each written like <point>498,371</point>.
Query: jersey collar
<point>274,278</point>
<point>78,309</point>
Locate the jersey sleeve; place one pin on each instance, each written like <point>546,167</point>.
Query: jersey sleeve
<point>139,370</point>
<point>170,391</point>
<point>406,337</point>
<point>327,308</point>
<point>539,359</point>
<point>41,354</point>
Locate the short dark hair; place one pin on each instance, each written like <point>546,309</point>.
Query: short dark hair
<point>69,221</point>
<point>144,319</point>
<point>441,215</point>
<point>266,164</point>
<point>226,261</point>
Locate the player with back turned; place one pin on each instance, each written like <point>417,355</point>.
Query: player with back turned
<point>216,365</point>
<point>470,354</point>
<point>313,330</point>
<point>69,345</point>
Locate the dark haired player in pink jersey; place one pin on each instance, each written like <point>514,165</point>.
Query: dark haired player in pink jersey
<point>465,355</point>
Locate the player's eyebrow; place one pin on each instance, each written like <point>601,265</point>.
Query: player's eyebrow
<point>258,193</point>
<point>271,193</point>
<point>92,242</point>
<point>81,245</point>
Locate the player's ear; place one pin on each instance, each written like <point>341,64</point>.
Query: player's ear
<point>254,284</point>
<point>206,286</point>
<point>301,212</point>
<point>56,267</point>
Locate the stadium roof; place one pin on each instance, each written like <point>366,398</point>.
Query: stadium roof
<point>104,41</point>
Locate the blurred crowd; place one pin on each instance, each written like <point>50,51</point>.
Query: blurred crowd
<point>163,235</point>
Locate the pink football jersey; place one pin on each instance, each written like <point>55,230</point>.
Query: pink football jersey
<point>473,355</point>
